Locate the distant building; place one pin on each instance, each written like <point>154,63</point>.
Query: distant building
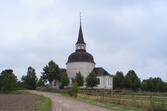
<point>83,62</point>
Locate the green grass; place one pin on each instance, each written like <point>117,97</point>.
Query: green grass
<point>113,107</point>
<point>139,101</point>
<point>45,104</point>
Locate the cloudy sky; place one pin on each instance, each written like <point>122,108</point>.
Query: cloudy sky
<point>120,34</point>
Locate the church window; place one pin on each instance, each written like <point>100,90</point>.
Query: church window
<point>98,80</point>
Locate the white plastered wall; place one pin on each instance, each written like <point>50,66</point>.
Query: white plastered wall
<point>85,68</point>
<point>106,82</point>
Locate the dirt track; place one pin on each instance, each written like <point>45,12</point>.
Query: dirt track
<point>61,103</point>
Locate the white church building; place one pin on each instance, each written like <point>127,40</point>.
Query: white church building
<point>83,62</point>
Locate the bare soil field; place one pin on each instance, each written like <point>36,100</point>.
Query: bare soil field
<point>18,102</point>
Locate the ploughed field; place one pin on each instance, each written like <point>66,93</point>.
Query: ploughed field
<point>19,102</point>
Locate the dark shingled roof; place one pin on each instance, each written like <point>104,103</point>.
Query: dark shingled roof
<point>80,36</point>
<point>80,56</point>
<point>101,71</point>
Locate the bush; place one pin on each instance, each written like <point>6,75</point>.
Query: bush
<point>74,90</point>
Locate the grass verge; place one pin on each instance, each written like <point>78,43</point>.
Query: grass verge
<point>45,104</point>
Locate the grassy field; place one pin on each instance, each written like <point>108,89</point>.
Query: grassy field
<point>113,107</point>
<point>126,102</point>
<point>24,102</point>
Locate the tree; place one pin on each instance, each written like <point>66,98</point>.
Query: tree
<point>41,82</point>
<point>118,80</point>
<point>153,84</point>
<point>159,84</point>
<point>165,86</point>
<point>79,79</point>
<point>51,72</point>
<point>8,81</point>
<point>20,85</point>
<point>132,81</point>
<point>91,80</point>
<point>30,80</point>
<point>64,80</point>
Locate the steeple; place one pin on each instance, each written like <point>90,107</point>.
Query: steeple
<point>80,45</point>
<point>80,36</point>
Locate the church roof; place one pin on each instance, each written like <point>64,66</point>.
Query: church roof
<point>99,71</point>
<point>80,56</point>
<point>80,36</point>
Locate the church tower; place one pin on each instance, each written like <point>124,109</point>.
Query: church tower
<point>80,61</point>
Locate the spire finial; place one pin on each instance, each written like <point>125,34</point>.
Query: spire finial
<point>80,17</point>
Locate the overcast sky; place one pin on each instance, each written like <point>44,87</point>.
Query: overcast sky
<point>120,34</point>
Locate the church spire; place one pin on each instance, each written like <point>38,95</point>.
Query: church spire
<point>80,45</point>
<point>80,35</point>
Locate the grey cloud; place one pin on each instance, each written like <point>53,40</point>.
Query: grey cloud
<point>121,35</point>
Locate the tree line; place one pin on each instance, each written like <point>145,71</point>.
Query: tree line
<point>132,82</point>
<point>51,73</point>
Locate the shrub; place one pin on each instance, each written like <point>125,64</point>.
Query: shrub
<point>74,90</point>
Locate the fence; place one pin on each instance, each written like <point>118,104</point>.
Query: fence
<point>141,100</point>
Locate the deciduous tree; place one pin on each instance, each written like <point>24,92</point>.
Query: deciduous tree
<point>132,81</point>
<point>64,80</point>
<point>30,80</point>
<point>91,80</point>
<point>118,80</point>
<point>51,72</point>
<point>8,81</point>
<point>41,82</point>
<point>79,79</point>
<point>153,84</point>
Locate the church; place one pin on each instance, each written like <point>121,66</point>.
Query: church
<point>83,62</point>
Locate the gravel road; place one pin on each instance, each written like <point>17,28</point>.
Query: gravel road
<point>61,103</point>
